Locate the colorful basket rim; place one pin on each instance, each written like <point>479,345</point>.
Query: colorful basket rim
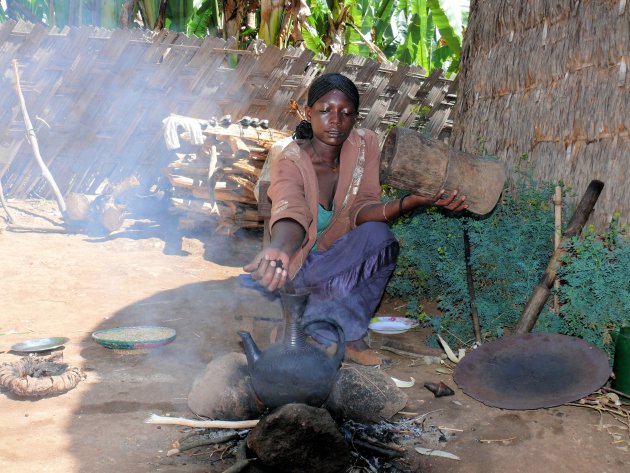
<point>101,337</point>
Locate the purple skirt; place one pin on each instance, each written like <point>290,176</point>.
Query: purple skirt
<point>348,280</point>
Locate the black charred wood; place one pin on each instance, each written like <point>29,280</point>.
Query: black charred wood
<point>381,451</point>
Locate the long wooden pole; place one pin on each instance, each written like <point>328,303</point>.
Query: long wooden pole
<point>33,140</point>
<point>471,287</point>
<point>4,205</point>
<point>557,237</point>
<point>202,424</point>
<point>541,292</point>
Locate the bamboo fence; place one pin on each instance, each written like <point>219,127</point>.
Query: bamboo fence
<point>98,98</point>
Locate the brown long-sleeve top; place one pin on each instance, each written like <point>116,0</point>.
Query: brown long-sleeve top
<point>294,190</point>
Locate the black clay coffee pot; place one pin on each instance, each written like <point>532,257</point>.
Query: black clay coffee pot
<point>295,370</point>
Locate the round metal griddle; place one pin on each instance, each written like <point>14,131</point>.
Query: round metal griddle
<point>532,370</point>
<point>39,344</point>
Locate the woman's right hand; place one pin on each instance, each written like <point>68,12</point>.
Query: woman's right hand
<point>269,268</point>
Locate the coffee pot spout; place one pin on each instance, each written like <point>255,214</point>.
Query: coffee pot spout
<point>251,349</point>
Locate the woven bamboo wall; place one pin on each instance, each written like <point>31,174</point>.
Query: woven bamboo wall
<point>547,81</point>
<point>100,97</point>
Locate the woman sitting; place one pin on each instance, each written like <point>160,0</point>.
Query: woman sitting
<point>329,228</point>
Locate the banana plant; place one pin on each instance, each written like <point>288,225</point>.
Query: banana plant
<point>414,23</point>
<point>376,24</point>
<point>425,33</point>
<point>448,20</point>
<point>207,18</point>
<point>178,13</point>
<point>33,10</point>
<point>104,13</point>
<point>61,13</point>
<point>325,30</point>
<point>316,22</point>
<point>149,10</point>
<point>271,15</point>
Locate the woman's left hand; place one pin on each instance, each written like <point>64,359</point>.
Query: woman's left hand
<point>452,201</point>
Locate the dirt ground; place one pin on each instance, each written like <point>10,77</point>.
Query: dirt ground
<point>69,285</point>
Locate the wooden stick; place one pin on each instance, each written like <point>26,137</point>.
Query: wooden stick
<point>200,440</point>
<point>539,296</point>
<point>618,416</point>
<point>204,424</point>
<point>557,236</point>
<point>4,205</point>
<point>33,140</point>
<point>471,287</point>
<point>426,359</point>
<point>386,452</point>
<point>621,393</point>
<point>377,443</point>
<point>240,150</point>
<point>24,229</point>
<point>509,439</point>
<point>371,46</point>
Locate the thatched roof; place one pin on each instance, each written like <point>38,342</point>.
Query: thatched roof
<point>544,86</point>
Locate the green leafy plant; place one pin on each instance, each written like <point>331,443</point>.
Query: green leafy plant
<point>208,18</point>
<point>510,250</point>
<point>594,294</point>
<point>425,33</point>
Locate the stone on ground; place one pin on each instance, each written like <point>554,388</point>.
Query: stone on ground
<point>365,394</point>
<point>222,391</point>
<point>296,438</point>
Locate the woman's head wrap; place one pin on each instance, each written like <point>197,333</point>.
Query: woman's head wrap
<point>333,81</point>
<point>320,87</point>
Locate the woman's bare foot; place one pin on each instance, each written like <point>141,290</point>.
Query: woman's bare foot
<point>358,351</point>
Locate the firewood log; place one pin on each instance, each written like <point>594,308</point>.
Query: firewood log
<point>240,150</point>
<point>235,195</point>
<point>112,216</point>
<point>239,153</point>
<point>185,181</point>
<point>258,156</point>
<point>189,167</point>
<point>246,167</point>
<point>195,206</point>
<point>247,184</point>
<point>265,138</point>
<point>124,186</point>
<point>77,207</point>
